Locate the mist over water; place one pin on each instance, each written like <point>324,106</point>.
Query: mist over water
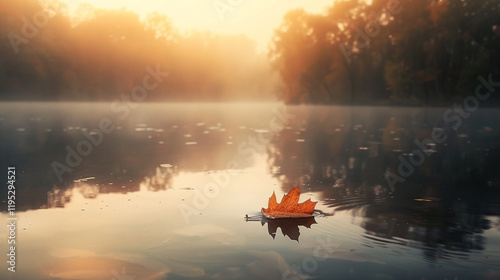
<point>165,193</point>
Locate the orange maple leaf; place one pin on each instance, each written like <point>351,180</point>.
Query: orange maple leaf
<point>289,206</point>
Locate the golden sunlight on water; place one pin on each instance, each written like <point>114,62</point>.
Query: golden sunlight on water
<point>146,205</point>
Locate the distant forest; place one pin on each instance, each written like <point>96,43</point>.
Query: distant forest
<point>101,54</point>
<point>396,52</point>
<point>406,52</point>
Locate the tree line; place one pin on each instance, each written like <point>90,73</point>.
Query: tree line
<point>388,51</point>
<point>404,52</point>
<point>101,54</point>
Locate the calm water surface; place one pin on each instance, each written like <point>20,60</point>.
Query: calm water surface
<point>174,191</point>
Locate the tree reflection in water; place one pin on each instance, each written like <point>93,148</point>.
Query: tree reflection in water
<point>343,153</point>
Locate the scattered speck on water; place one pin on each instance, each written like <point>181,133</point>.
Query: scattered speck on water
<point>83,179</point>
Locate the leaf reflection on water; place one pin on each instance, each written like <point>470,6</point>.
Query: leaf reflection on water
<point>289,227</point>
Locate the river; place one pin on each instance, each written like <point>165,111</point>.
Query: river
<point>174,191</point>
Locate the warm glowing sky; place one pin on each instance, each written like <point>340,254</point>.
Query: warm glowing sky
<point>255,18</point>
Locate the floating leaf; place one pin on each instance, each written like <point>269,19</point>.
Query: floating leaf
<point>289,206</point>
